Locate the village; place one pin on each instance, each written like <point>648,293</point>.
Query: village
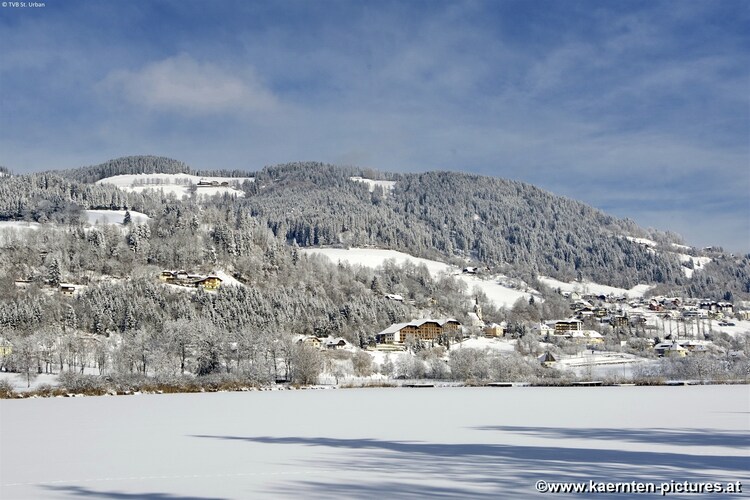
<point>612,329</point>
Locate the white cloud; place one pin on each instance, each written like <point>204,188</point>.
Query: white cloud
<point>183,84</point>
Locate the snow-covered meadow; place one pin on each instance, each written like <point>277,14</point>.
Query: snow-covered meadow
<point>114,216</point>
<point>368,443</point>
<point>178,184</point>
<point>595,288</point>
<point>502,296</point>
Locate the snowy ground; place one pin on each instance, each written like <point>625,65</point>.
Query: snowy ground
<point>179,184</point>
<point>19,224</point>
<point>698,263</point>
<point>114,216</point>
<point>502,345</point>
<point>371,443</point>
<point>595,288</point>
<point>20,384</point>
<point>386,185</point>
<point>500,295</point>
<point>600,364</point>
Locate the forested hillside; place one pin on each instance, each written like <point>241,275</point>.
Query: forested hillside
<point>122,319</point>
<point>510,226</point>
<point>138,165</point>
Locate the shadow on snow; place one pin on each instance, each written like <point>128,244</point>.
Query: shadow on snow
<point>407,469</point>
<point>80,491</point>
<point>680,437</point>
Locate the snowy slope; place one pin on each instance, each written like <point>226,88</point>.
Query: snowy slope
<point>114,216</point>
<point>479,443</point>
<point>386,185</point>
<point>698,263</point>
<point>19,224</point>
<point>179,184</point>
<point>595,288</point>
<point>373,257</point>
<point>643,241</point>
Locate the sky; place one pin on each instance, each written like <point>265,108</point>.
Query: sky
<point>639,108</point>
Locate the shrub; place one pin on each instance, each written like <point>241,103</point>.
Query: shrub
<point>6,389</point>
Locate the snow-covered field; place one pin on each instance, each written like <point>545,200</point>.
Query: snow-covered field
<point>371,443</point>
<point>386,185</point>
<point>698,263</point>
<point>588,287</point>
<point>374,257</point>
<point>643,241</point>
<point>179,184</point>
<point>19,225</point>
<point>114,216</point>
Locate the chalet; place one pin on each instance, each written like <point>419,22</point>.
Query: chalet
<point>587,336</point>
<point>335,343</point>
<point>619,320</point>
<point>601,312</point>
<point>167,276</point>
<point>495,330</point>
<point>183,278</point>
<point>209,283</point>
<point>655,306</point>
<point>724,307</point>
<point>310,340</point>
<point>670,349</point>
<point>422,329</point>
<point>23,283</point>
<point>694,346</point>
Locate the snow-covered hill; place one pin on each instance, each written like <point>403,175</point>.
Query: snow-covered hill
<point>178,184</point>
<point>500,295</point>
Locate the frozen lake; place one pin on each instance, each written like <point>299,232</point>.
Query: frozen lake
<point>368,443</point>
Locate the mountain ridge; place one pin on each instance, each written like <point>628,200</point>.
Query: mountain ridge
<point>509,226</point>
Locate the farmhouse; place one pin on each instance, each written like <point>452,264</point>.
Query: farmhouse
<point>422,329</point>
<point>209,283</point>
<point>495,329</point>
<point>670,349</point>
<point>182,278</point>
<point>335,343</point>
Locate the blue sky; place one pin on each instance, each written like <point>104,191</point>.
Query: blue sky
<point>641,109</point>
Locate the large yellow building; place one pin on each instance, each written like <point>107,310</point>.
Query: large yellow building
<point>421,329</point>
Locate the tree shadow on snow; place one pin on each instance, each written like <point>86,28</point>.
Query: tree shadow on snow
<point>81,491</point>
<point>405,469</point>
<point>680,437</point>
